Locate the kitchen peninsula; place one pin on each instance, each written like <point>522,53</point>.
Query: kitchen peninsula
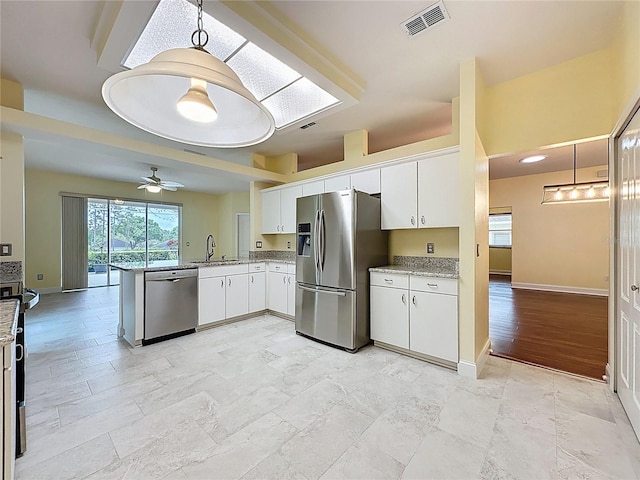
<point>225,291</point>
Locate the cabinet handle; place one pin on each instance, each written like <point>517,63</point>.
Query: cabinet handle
<point>404,299</point>
<point>222,283</point>
<point>422,220</point>
<point>282,229</point>
<point>413,220</point>
<point>21,356</point>
<point>251,278</point>
<point>277,268</point>
<point>278,228</point>
<point>229,281</point>
<point>413,300</point>
<point>432,285</point>
<point>634,288</point>
<point>284,279</point>
<point>388,280</point>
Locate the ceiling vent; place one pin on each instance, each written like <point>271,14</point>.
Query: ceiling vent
<point>304,127</point>
<point>425,20</point>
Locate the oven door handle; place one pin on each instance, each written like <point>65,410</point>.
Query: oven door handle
<point>33,301</point>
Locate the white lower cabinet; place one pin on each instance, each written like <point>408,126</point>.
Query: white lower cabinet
<point>281,286</point>
<point>237,295</point>
<point>211,300</point>
<point>416,313</point>
<point>257,289</point>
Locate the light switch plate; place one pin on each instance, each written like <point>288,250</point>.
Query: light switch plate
<point>431,247</point>
<point>258,244</point>
<point>5,249</point>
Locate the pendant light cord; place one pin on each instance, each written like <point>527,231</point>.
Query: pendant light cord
<point>200,34</point>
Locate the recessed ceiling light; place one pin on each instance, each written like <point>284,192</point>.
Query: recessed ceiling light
<point>533,159</point>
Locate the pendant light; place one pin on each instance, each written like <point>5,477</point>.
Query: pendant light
<point>576,192</point>
<point>190,96</point>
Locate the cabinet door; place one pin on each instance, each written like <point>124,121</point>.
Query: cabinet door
<point>399,196</point>
<point>367,181</point>
<point>237,295</point>
<point>277,297</point>
<point>288,197</point>
<point>312,188</point>
<point>439,191</point>
<point>211,300</point>
<point>335,184</point>
<point>434,325</point>
<point>271,212</point>
<point>257,291</point>
<point>390,316</point>
<point>291,295</point>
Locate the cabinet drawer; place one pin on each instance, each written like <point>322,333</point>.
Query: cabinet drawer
<point>257,267</point>
<point>446,286</point>
<point>391,280</point>
<point>206,272</point>
<point>277,267</point>
<point>291,268</point>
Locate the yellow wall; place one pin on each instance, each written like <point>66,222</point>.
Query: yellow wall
<point>12,195</point>
<point>499,260</point>
<point>414,242</point>
<point>626,51</point>
<point>201,215</point>
<point>566,102</point>
<point>561,245</point>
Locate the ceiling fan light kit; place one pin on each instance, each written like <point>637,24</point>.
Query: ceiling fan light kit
<point>576,192</point>
<point>154,184</point>
<point>190,96</point>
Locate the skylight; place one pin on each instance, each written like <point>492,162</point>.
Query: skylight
<point>289,96</point>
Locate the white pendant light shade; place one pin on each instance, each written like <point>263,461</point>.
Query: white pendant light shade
<point>148,97</point>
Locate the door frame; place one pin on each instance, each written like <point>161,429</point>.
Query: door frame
<point>614,211</point>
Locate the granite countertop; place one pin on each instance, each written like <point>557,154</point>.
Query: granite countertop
<point>9,310</point>
<point>431,271</point>
<point>138,267</point>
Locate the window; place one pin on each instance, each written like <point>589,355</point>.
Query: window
<point>146,234</point>
<point>500,230</point>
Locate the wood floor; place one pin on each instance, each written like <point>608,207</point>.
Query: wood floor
<point>559,330</point>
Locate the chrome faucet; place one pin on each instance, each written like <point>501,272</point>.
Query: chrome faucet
<point>211,244</point>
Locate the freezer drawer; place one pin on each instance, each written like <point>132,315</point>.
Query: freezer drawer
<point>331,316</point>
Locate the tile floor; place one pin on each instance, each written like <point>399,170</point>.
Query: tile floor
<point>252,400</point>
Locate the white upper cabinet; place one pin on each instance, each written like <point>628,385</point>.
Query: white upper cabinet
<point>312,188</point>
<point>367,181</point>
<point>421,194</point>
<point>288,200</point>
<point>439,191</point>
<point>279,209</point>
<point>399,188</point>
<point>336,184</point>
<point>271,212</point>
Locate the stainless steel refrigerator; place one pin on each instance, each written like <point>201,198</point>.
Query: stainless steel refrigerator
<point>338,239</point>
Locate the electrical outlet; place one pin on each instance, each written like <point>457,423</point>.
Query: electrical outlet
<point>431,247</point>
<point>258,244</point>
<point>288,244</point>
<point>5,249</point>
<point>188,244</point>
<point>40,276</point>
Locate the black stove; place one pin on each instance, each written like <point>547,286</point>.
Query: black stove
<point>28,299</point>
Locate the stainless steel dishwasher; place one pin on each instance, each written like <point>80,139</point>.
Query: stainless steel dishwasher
<point>170,304</point>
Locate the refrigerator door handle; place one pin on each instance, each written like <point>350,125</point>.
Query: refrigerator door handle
<point>316,241</point>
<point>322,290</point>
<point>323,239</point>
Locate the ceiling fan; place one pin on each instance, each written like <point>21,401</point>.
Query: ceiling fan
<point>155,184</point>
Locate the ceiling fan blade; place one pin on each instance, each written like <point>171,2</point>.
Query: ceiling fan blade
<point>149,179</point>
<point>144,185</point>
<point>172,184</point>
<point>171,189</point>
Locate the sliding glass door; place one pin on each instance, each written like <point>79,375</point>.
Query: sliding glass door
<point>128,232</point>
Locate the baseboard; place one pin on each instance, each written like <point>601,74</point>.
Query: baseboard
<point>600,292</point>
<point>500,272</point>
<point>48,290</point>
<point>474,369</point>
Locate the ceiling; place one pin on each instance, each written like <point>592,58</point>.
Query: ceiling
<point>408,83</point>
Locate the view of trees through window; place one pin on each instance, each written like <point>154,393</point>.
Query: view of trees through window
<point>130,232</point>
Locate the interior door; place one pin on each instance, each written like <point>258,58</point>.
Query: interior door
<point>628,270</point>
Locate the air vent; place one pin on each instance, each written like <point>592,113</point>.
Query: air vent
<point>310,124</point>
<point>425,20</point>
<point>603,173</point>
